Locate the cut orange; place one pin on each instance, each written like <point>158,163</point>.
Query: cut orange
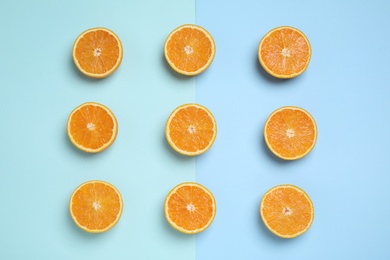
<point>287,211</point>
<point>96,206</point>
<point>284,52</point>
<point>190,208</point>
<point>189,49</point>
<point>191,129</point>
<point>92,127</point>
<point>290,132</point>
<point>97,52</point>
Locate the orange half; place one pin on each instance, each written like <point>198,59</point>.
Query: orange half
<point>97,52</point>
<point>191,129</point>
<point>290,132</point>
<point>287,211</point>
<point>96,206</point>
<point>284,52</point>
<point>190,208</point>
<point>92,127</point>
<point>189,49</point>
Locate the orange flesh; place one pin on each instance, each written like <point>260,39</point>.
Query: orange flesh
<point>91,126</point>
<point>191,129</point>
<point>287,211</point>
<point>190,208</point>
<point>285,52</point>
<point>97,52</point>
<point>290,133</point>
<point>96,206</point>
<point>189,49</point>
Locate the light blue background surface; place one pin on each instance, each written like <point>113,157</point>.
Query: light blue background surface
<point>345,88</point>
<point>40,86</point>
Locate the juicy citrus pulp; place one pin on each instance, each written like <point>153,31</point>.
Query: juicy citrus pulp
<point>190,208</point>
<point>92,127</point>
<point>96,206</point>
<point>287,211</point>
<point>284,52</point>
<point>97,52</point>
<point>290,132</point>
<point>191,129</point>
<point>189,49</point>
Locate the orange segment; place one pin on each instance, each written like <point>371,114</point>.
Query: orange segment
<point>190,208</point>
<point>189,49</point>
<point>96,206</point>
<point>284,52</point>
<point>287,211</point>
<point>290,132</point>
<point>92,127</point>
<point>191,129</point>
<point>97,52</point>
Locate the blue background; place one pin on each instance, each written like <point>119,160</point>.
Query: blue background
<point>345,88</point>
<point>40,168</point>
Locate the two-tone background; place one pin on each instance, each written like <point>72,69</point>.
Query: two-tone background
<point>345,88</point>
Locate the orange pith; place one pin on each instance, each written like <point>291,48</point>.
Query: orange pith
<point>190,208</point>
<point>284,52</point>
<point>96,206</point>
<point>92,127</point>
<point>97,52</point>
<point>287,211</point>
<point>290,132</point>
<point>189,49</point>
<point>191,129</point>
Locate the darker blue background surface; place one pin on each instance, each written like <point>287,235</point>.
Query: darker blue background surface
<point>346,90</point>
